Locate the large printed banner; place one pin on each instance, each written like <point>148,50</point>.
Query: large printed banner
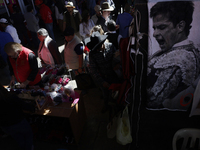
<point>174,54</point>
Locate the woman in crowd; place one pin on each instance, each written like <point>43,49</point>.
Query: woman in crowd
<point>48,50</point>
<point>86,25</point>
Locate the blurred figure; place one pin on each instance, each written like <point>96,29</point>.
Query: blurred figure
<point>97,14</point>
<point>48,50</point>
<point>124,21</point>
<point>113,36</point>
<point>32,25</point>
<point>86,25</point>
<point>10,29</point>
<point>46,13</point>
<point>106,10</point>
<point>72,18</point>
<point>18,21</point>
<point>4,69</point>
<point>59,10</point>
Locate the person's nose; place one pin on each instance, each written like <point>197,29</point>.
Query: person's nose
<point>155,32</point>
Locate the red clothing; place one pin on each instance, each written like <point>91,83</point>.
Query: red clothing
<point>21,67</point>
<point>45,13</point>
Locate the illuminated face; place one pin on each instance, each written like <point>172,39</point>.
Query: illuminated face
<point>70,9</point>
<point>164,32</point>
<point>40,37</point>
<point>13,54</point>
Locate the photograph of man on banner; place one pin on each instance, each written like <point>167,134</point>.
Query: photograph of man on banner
<point>173,70</point>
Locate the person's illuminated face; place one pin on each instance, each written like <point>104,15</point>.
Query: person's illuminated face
<point>13,54</point>
<point>70,9</point>
<point>40,37</point>
<point>69,38</point>
<point>164,32</point>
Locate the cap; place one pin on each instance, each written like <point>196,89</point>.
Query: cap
<point>3,20</point>
<point>38,2</point>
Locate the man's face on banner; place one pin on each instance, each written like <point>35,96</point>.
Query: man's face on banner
<point>164,32</point>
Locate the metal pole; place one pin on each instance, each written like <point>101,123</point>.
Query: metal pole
<point>6,8</point>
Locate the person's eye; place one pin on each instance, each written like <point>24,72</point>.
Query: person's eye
<point>162,27</point>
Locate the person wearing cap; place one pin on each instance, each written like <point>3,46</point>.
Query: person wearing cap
<point>124,21</point>
<point>73,52</point>
<point>23,65</point>
<point>106,10</point>
<point>10,29</point>
<point>71,18</point>
<point>101,62</point>
<point>45,13</point>
<point>48,50</point>
<point>97,14</point>
<point>86,25</point>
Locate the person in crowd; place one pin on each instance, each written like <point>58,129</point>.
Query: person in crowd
<point>18,22</point>
<point>113,36</point>
<point>23,65</point>
<point>174,68</point>
<point>106,9</point>
<point>86,25</point>
<point>101,63</point>
<point>124,21</point>
<point>4,69</point>
<point>59,10</point>
<point>32,25</point>
<point>71,18</point>
<point>45,13</point>
<point>48,50</point>
<point>10,29</point>
<point>13,120</point>
<point>97,14</point>
<point>73,52</point>
<point>97,28</point>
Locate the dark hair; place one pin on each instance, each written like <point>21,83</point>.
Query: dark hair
<point>176,11</point>
<point>85,15</point>
<point>29,8</point>
<point>111,25</point>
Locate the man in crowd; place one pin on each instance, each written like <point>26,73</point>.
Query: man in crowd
<point>106,9</point>
<point>73,52</point>
<point>71,18</point>
<point>23,65</point>
<point>97,14</point>
<point>45,13</point>
<point>101,63</point>
<point>175,67</point>
<point>124,20</point>
<point>32,25</point>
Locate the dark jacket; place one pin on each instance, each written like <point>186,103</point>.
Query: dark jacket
<point>76,18</point>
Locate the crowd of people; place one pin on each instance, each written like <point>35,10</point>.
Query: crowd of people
<point>92,31</point>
